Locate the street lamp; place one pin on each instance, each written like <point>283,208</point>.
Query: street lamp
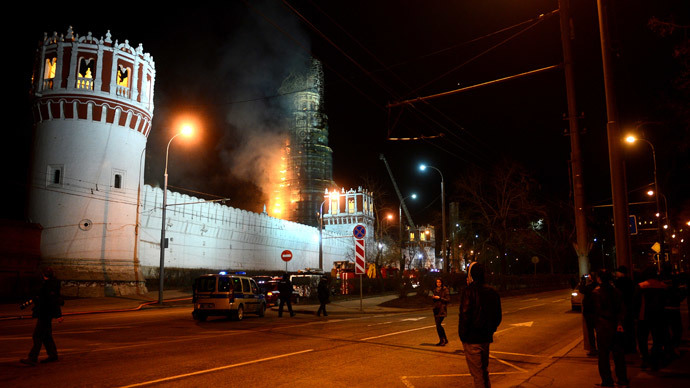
<point>400,222</point>
<point>423,167</point>
<point>185,131</point>
<point>631,139</point>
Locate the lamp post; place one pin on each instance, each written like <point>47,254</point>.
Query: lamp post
<point>444,249</point>
<point>400,222</point>
<point>186,131</point>
<point>321,234</point>
<point>660,230</point>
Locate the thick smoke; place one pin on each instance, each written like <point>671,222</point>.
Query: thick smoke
<point>255,62</point>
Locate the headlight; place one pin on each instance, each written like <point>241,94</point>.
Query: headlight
<point>574,294</point>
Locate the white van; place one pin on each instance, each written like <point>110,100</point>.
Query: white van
<point>226,295</point>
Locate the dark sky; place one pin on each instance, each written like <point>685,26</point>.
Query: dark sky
<point>225,62</point>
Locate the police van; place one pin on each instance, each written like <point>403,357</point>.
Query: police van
<point>223,294</point>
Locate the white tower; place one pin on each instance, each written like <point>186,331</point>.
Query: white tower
<point>93,105</point>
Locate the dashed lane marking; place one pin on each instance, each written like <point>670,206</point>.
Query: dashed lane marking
<point>408,384</point>
<point>216,369</point>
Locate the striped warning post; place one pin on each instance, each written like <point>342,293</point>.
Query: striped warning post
<point>359,256</point>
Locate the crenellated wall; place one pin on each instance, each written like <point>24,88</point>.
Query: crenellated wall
<point>214,236</point>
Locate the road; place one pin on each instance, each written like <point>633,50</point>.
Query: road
<point>165,347</point>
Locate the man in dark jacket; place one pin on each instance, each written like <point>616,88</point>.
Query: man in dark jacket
<point>480,315</point>
<point>285,288</point>
<point>324,295</point>
<point>46,307</point>
<point>586,288</point>
<point>610,316</point>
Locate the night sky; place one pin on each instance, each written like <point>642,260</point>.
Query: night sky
<point>224,64</point>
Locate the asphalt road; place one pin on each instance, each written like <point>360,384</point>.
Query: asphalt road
<point>165,347</point>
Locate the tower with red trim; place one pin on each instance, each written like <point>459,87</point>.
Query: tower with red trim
<point>93,105</point>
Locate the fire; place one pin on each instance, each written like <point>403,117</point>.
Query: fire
<point>277,203</point>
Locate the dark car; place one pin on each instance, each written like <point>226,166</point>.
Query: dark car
<point>270,290</point>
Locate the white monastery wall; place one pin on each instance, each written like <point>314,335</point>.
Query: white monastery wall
<point>214,236</point>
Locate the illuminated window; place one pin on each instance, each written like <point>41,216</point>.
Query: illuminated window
<point>351,206</point>
<point>334,206</point>
<point>411,236</point>
<point>123,76</point>
<point>422,236</point>
<point>87,68</point>
<point>49,73</point>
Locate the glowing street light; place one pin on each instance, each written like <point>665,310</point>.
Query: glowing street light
<point>631,139</point>
<point>185,131</point>
<point>423,167</point>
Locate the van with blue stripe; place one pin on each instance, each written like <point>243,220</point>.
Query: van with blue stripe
<point>225,294</point>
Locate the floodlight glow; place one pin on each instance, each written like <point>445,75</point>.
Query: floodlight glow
<point>630,139</point>
<point>422,167</point>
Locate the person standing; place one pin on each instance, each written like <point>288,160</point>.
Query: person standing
<point>323,293</point>
<point>285,288</point>
<point>46,307</point>
<point>610,315</point>
<point>441,300</point>
<point>625,285</point>
<point>480,315</point>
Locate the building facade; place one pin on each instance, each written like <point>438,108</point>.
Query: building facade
<point>93,105</point>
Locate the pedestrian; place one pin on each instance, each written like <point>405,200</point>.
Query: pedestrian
<point>285,289</point>
<point>674,296</point>
<point>650,313</point>
<point>323,292</point>
<point>610,314</point>
<point>441,300</point>
<point>627,288</point>
<point>46,307</point>
<point>586,288</point>
<point>480,315</point>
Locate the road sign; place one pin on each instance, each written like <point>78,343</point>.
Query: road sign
<point>359,256</point>
<point>633,224</point>
<point>359,231</point>
<point>286,255</point>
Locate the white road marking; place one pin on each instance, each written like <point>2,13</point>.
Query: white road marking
<point>507,363</point>
<point>216,369</point>
<point>523,324</point>
<point>397,332</point>
<point>382,323</point>
<point>519,354</point>
<point>412,319</point>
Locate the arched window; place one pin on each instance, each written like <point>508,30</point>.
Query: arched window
<point>87,68</point>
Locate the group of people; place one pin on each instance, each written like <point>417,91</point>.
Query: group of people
<point>620,313</point>
<point>323,293</point>
<point>480,315</point>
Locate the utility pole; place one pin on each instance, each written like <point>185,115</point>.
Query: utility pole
<point>618,185</point>
<point>581,243</point>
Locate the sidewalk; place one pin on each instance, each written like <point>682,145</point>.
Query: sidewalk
<point>178,298</point>
<point>171,298</point>
<point>571,368</point>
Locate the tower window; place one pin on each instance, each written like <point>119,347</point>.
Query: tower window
<point>87,67</point>
<point>55,175</point>
<point>351,206</point>
<point>118,179</point>
<point>49,72</point>
<point>123,76</point>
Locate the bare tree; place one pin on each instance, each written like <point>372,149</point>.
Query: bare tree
<point>498,206</point>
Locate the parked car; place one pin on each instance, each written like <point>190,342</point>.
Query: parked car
<point>226,294</point>
<point>270,290</point>
<point>576,299</point>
